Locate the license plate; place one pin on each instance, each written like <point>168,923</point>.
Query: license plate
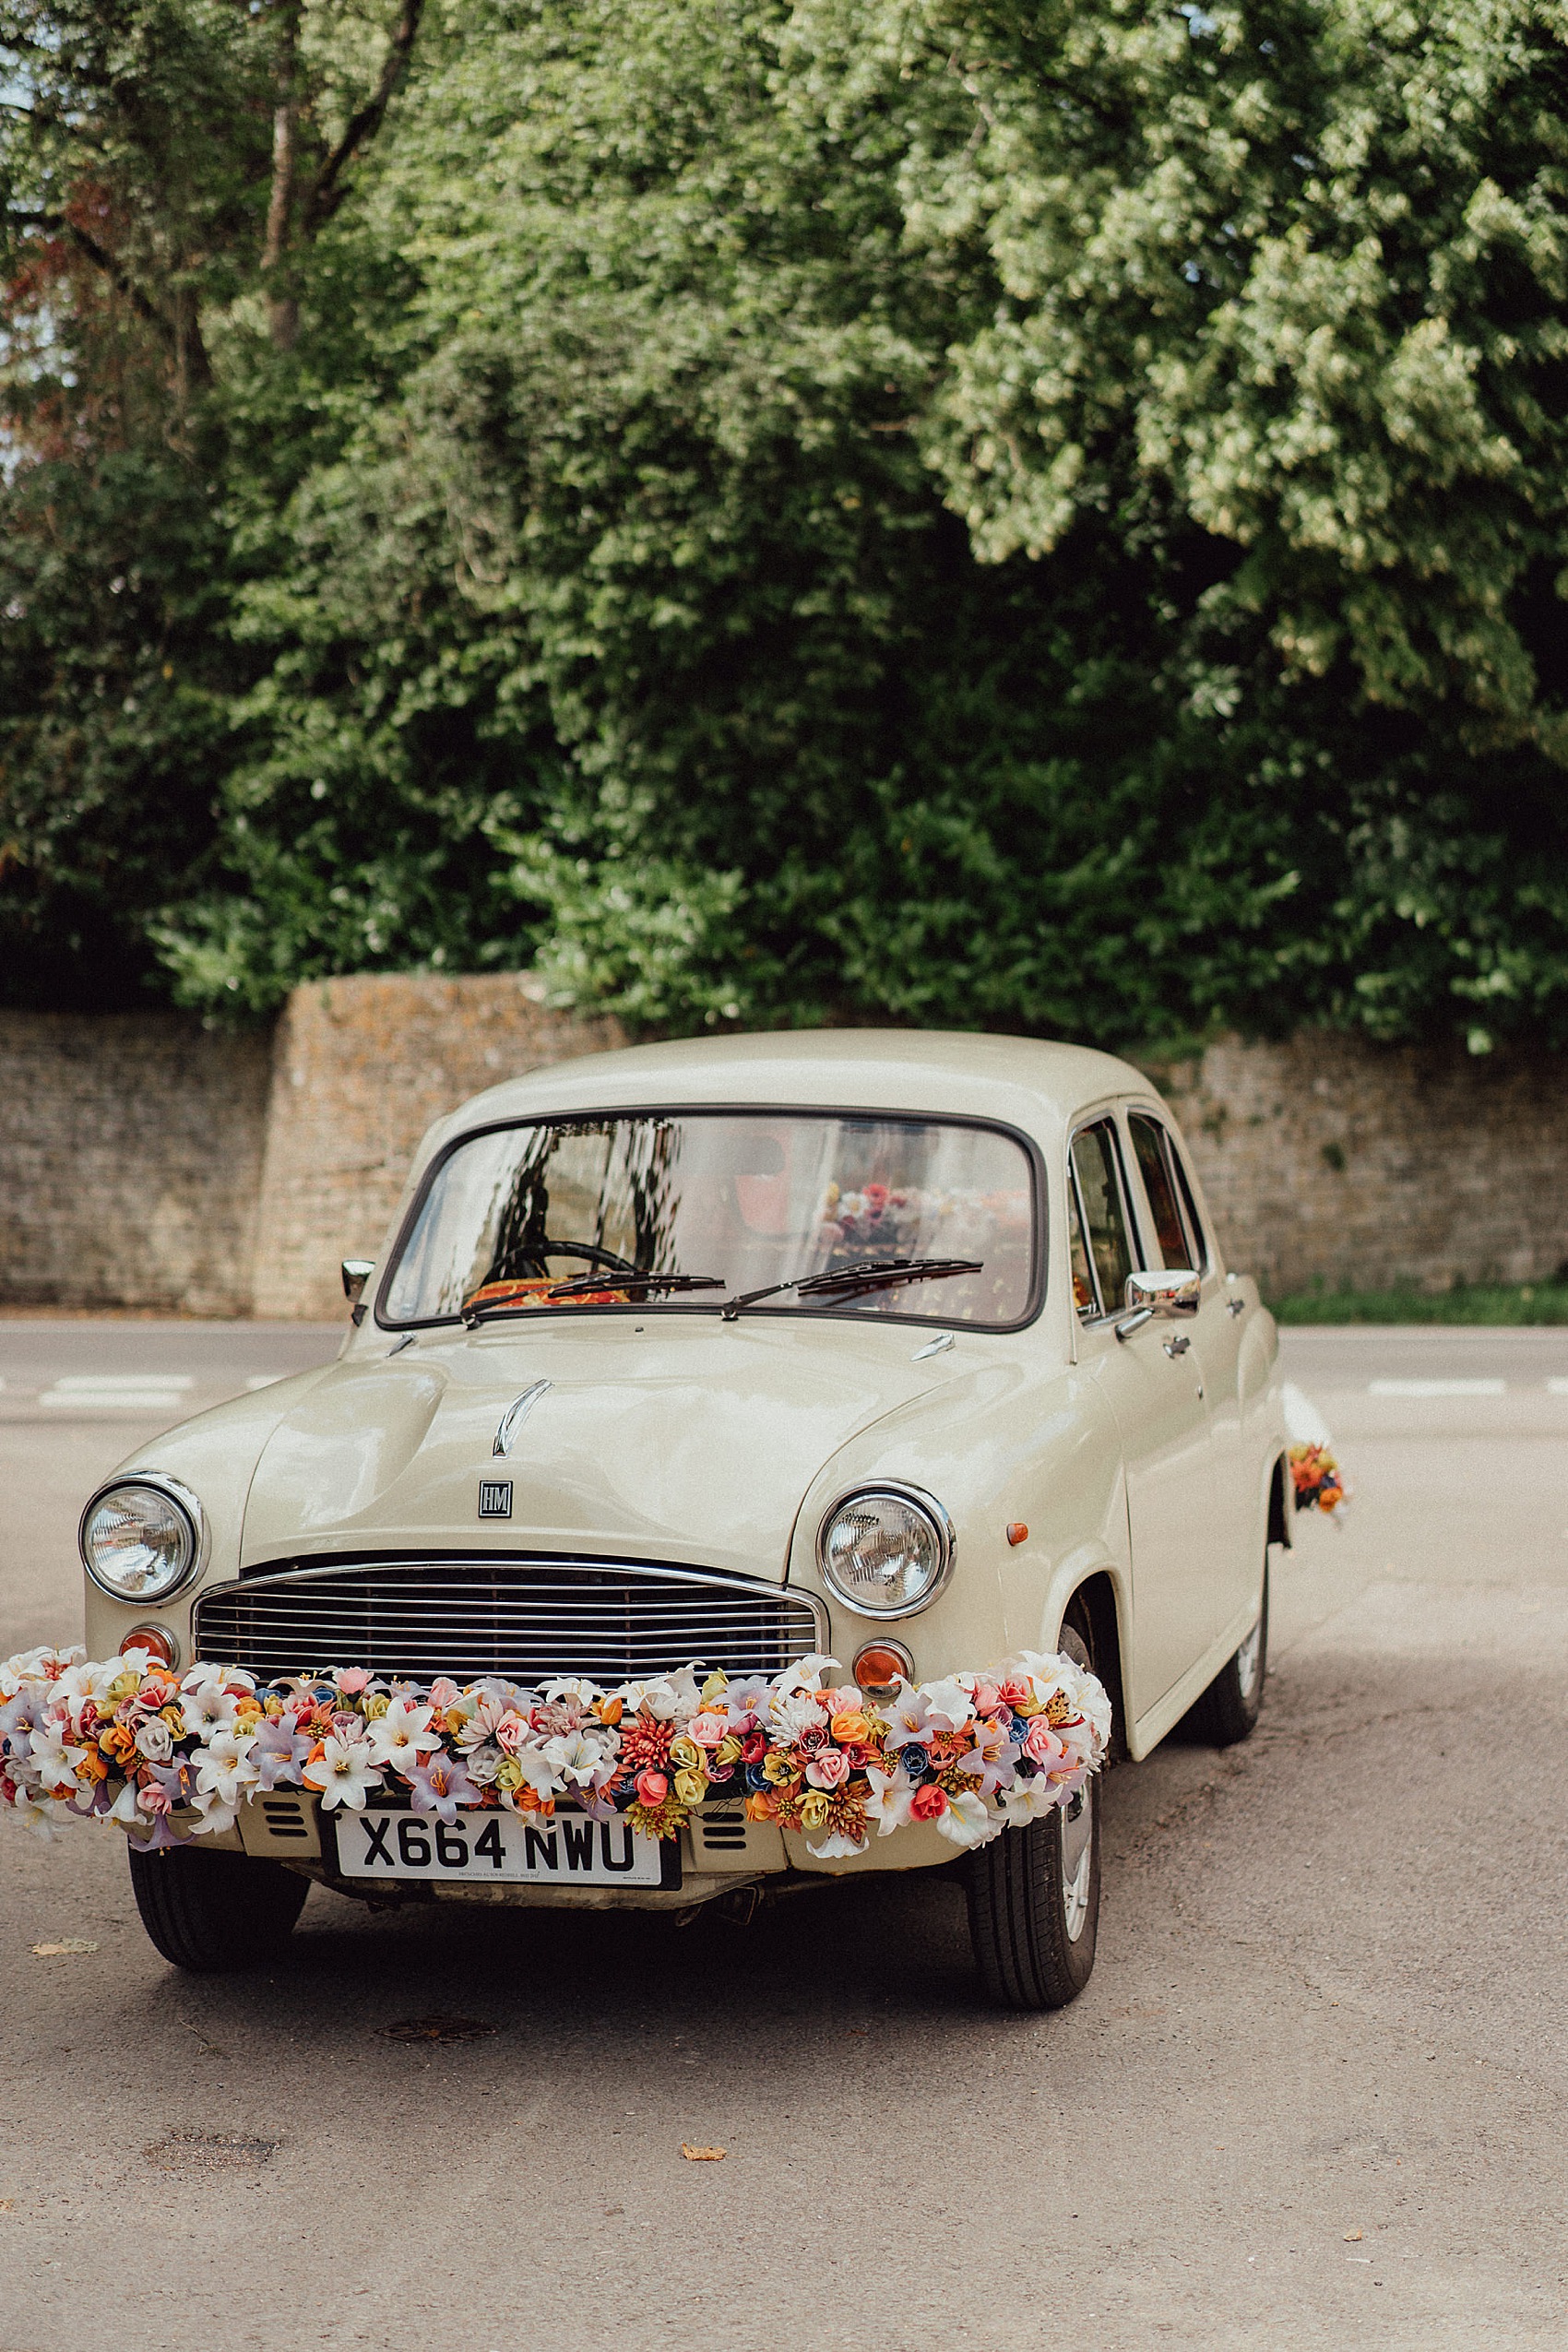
<point>570,1850</point>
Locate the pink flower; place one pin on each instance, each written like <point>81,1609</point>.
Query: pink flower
<point>352,1679</point>
<point>1042,1744</point>
<point>829,1768</point>
<point>988,1698</point>
<point>511,1731</point>
<point>443,1693</point>
<point>652,1787</point>
<point>1015,1691</point>
<point>708,1730</point>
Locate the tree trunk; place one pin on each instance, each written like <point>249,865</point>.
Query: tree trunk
<point>282,304</point>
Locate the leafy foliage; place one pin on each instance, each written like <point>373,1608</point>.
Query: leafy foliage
<point>1039,518</point>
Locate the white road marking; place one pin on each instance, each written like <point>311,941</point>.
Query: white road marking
<point>1437,1388</point>
<point>1557,1387</point>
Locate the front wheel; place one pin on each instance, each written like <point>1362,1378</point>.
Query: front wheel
<point>1034,1891</point>
<point>209,1912</point>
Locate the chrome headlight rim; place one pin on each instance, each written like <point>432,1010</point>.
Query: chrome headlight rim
<point>894,1491</point>
<point>189,1508</point>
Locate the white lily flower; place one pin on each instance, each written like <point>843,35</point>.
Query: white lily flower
<point>343,1774</point>
<point>123,1808</point>
<point>223,1768</point>
<point>53,1760</point>
<point>948,1706</point>
<point>575,1756</point>
<point>402,1736</point>
<point>217,1814</point>
<point>836,1847</point>
<point>208,1709</point>
<point>46,1817</point>
<point>891,1796</point>
<point>966,1822</point>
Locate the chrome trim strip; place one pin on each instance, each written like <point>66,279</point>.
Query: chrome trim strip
<point>517,1413</point>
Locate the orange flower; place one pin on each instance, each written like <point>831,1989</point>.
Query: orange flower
<point>92,1767</point>
<point>118,1743</point>
<point>850,1728</point>
<point>761,1806</point>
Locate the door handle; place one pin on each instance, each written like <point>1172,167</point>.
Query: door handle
<point>1178,1346</point>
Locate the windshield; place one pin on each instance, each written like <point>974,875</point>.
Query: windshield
<point>750,1198</point>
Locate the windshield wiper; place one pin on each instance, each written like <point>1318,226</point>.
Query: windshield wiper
<point>865,1274</point>
<point>587,1286</point>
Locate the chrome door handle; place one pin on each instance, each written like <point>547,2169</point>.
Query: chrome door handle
<point>1178,1346</point>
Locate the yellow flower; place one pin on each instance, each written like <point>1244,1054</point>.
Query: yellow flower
<point>377,1707</point>
<point>508,1773</point>
<point>691,1786</point>
<point>684,1754</point>
<point>776,1766</point>
<point>124,1685</point>
<point>714,1688</point>
<point>728,1749</point>
<point>814,1809</point>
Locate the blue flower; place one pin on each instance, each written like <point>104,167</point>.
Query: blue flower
<point>915,1761</point>
<point>755,1777</point>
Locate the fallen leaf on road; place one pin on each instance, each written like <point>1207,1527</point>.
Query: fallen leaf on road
<point>702,2155</point>
<point>436,2029</point>
<point>1352,2238</point>
<point>7,2205</point>
<point>70,1943</point>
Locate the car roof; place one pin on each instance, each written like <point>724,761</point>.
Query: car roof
<point>1025,1082</point>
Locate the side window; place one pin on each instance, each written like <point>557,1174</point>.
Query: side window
<point>1156,1158</point>
<point>1097,1166</point>
<point>1084,1297</point>
<point>1201,1257</point>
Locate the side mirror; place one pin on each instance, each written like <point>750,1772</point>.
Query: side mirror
<point>356,1274</point>
<point>1168,1292</point>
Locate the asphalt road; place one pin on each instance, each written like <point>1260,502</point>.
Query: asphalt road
<point>1313,2094</point>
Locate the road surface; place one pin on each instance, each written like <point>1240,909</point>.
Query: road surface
<point>1313,2094</point>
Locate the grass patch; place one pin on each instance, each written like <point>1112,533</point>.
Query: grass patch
<point>1474,1302</point>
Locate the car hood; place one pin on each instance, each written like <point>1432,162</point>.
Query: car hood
<point>691,1440</point>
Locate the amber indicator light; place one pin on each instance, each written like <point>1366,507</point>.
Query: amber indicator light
<point>879,1666</point>
<point>1017,1532</point>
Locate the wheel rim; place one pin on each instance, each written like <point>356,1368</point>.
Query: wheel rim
<point>1248,1658</point>
<point>1077,1861</point>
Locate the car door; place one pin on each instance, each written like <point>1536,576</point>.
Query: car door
<point>1156,1391</point>
<point>1176,1231</point>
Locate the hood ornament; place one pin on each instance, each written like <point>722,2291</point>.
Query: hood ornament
<point>517,1413</point>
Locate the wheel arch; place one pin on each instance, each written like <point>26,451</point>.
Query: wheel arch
<point>1100,1597</point>
<point>1280,1504</point>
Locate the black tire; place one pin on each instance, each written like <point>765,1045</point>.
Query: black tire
<point>1230,1708</point>
<point>208,1912</point>
<point>1034,1943</point>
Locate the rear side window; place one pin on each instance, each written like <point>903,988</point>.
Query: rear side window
<point>1097,1169</point>
<point>1169,1195</point>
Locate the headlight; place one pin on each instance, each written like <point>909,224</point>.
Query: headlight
<point>887,1551</point>
<point>141,1539</point>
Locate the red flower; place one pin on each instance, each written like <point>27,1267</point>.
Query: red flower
<point>929,1802</point>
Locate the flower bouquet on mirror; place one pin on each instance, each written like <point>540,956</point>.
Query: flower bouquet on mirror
<point>1319,1482</point>
<point>170,1757</point>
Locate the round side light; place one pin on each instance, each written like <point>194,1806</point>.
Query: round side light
<point>158,1642</point>
<point>879,1666</point>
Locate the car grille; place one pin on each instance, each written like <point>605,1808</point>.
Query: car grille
<point>527,1620</point>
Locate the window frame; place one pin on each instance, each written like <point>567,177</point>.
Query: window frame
<point>1040,1283</point>
<point>1104,1117</point>
<point>1181,1184</point>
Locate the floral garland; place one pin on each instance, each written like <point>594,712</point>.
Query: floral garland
<point>171,1756</point>
<point>1320,1483</point>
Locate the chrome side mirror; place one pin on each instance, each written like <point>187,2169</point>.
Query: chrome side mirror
<point>356,1274</point>
<point>1170,1291</point>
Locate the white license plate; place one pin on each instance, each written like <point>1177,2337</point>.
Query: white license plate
<point>571,1850</point>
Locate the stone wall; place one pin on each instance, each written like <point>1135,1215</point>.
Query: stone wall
<point>360,1068</point>
<point>147,1163</point>
<point>1328,1163</point>
<point>130,1162</point>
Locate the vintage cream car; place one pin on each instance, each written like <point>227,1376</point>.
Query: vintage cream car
<point>912,1349</point>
